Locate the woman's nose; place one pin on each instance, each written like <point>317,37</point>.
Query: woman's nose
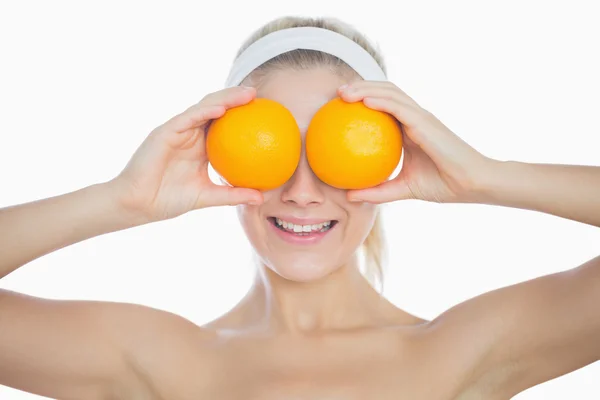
<point>303,189</point>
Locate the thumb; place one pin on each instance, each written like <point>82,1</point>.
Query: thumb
<point>395,189</point>
<point>228,196</point>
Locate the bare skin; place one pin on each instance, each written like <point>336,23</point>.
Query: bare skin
<point>298,335</point>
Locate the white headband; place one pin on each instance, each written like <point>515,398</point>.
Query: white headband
<point>307,38</point>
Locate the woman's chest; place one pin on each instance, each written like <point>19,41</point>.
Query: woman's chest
<point>368,380</point>
<point>382,369</point>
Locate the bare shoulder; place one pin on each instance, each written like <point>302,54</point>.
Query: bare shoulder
<point>513,338</point>
<point>111,345</point>
<point>159,346</point>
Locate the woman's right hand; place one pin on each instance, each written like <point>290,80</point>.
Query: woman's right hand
<point>168,174</point>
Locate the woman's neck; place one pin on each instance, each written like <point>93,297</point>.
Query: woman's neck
<point>340,301</point>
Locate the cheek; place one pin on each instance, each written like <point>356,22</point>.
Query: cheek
<point>253,222</point>
<point>250,220</point>
<point>250,217</point>
<point>360,221</point>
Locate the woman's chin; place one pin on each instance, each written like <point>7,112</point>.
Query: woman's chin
<point>303,269</point>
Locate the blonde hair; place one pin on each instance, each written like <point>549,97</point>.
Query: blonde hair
<point>373,248</point>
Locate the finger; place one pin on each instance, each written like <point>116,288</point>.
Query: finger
<point>432,137</point>
<point>229,97</point>
<point>406,114</point>
<point>228,196</point>
<point>211,107</point>
<point>407,142</point>
<point>395,189</point>
<point>428,133</point>
<point>193,118</point>
<point>387,90</point>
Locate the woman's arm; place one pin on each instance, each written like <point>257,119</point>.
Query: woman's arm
<point>58,348</point>
<point>567,191</point>
<point>527,333</point>
<point>537,330</point>
<point>29,231</point>
<point>91,350</point>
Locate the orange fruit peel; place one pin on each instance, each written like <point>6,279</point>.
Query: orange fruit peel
<point>348,145</point>
<point>351,146</point>
<point>256,145</point>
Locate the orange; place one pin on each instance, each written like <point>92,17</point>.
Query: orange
<point>256,145</point>
<point>351,146</point>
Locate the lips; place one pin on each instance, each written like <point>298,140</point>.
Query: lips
<point>290,226</point>
<point>301,231</point>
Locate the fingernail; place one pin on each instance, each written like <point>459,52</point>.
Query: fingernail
<point>355,200</point>
<point>343,87</point>
<point>247,87</point>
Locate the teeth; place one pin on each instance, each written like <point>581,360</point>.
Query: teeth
<point>302,228</point>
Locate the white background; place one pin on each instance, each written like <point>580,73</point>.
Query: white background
<point>83,83</point>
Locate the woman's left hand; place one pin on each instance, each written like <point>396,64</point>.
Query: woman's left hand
<point>438,166</point>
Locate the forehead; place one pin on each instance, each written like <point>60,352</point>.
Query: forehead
<point>302,92</point>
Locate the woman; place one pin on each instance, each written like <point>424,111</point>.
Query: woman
<point>311,327</point>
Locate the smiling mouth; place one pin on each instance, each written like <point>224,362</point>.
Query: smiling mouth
<point>302,230</point>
